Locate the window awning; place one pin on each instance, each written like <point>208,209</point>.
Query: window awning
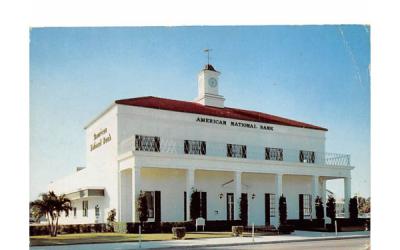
<point>86,193</point>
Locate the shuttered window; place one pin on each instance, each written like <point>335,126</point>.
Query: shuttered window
<point>305,206</point>
<point>275,154</point>
<point>195,147</point>
<point>150,203</point>
<point>307,156</point>
<point>147,143</point>
<point>85,207</point>
<point>236,151</point>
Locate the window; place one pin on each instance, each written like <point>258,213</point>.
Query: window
<point>275,154</point>
<point>307,205</point>
<point>85,207</point>
<point>195,147</point>
<point>97,211</point>
<point>272,205</point>
<point>147,143</point>
<point>307,156</point>
<point>74,211</point>
<point>237,151</point>
<point>150,203</point>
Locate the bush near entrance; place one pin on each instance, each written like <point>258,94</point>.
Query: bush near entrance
<point>353,208</point>
<point>179,232</point>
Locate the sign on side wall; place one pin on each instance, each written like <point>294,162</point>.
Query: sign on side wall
<point>100,138</point>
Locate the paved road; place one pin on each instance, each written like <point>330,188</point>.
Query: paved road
<point>348,244</point>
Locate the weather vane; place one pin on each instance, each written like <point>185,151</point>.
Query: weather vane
<point>208,55</point>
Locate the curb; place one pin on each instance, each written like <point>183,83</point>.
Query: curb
<point>266,242</point>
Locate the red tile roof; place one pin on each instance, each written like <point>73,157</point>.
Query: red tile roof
<point>226,112</point>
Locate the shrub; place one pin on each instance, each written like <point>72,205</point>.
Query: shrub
<point>282,210</point>
<point>237,230</point>
<point>285,229</point>
<point>142,207</point>
<point>39,230</point>
<point>243,209</point>
<point>195,205</point>
<point>110,219</point>
<point>319,208</point>
<point>179,232</point>
<point>331,208</point>
<point>120,227</point>
<point>353,208</point>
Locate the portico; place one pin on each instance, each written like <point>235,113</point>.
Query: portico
<point>176,182</point>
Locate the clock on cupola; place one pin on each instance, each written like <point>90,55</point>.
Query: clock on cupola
<point>208,87</point>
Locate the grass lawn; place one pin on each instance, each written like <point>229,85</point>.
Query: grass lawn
<point>83,238</point>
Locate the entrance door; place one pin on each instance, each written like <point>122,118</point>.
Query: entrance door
<point>229,206</point>
<point>267,209</point>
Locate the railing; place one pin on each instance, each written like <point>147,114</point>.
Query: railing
<point>253,152</point>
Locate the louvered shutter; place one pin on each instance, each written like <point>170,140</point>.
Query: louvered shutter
<point>301,206</point>
<point>184,206</point>
<point>186,147</point>
<point>229,150</point>
<point>157,142</point>
<point>203,148</point>
<point>157,215</point>
<point>204,205</point>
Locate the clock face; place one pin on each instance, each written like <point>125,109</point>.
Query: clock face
<point>212,82</point>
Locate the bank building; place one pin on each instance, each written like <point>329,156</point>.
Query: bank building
<point>168,149</point>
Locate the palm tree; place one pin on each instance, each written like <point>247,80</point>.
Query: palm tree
<point>51,206</point>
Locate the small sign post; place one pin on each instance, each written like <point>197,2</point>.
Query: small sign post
<point>252,232</point>
<point>140,236</point>
<point>336,228</point>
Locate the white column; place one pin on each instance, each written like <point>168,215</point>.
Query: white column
<point>119,211</point>
<point>347,195</point>
<point>315,183</point>
<point>189,190</point>
<point>136,188</point>
<point>323,194</point>
<point>238,194</point>
<point>278,193</point>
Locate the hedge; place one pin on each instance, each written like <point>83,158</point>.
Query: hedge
<point>70,229</point>
<point>133,227</point>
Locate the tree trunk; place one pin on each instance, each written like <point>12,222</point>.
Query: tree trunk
<point>49,225</point>
<point>56,227</point>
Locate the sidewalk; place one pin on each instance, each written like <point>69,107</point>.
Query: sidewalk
<point>297,236</point>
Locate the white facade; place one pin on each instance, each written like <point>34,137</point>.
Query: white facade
<point>118,166</point>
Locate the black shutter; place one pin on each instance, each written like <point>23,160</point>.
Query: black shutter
<point>267,210</point>
<point>245,209</point>
<point>267,156</point>
<point>301,206</point>
<point>313,157</point>
<point>229,150</point>
<point>203,148</point>
<point>186,147</point>
<point>184,206</point>
<point>195,206</point>
<point>137,142</point>
<point>157,141</point>
<point>157,216</point>
<point>204,205</point>
<point>244,151</point>
<point>281,154</point>
<point>301,156</point>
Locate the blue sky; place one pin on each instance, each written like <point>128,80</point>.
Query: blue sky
<point>315,74</point>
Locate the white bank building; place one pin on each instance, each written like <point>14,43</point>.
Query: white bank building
<point>169,148</point>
